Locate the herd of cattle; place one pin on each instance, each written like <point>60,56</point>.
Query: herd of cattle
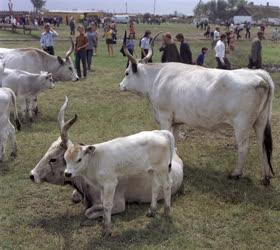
<point>143,167</point>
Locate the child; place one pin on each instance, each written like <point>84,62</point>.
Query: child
<point>201,57</point>
<point>130,45</point>
<point>80,51</point>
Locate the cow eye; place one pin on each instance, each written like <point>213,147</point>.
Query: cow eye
<point>52,160</point>
<point>70,69</point>
<point>79,160</point>
<point>126,73</point>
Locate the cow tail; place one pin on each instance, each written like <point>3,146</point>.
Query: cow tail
<point>267,136</point>
<point>16,119</point>
<point>172,148</point>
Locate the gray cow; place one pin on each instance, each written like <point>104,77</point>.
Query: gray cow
<point>137,189</point>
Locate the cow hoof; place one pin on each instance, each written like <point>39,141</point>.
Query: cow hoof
<point>13,154</point>
<point>36,111</point>
<point>107,233</point>
<point>234,177</point>
<point>151,213</point>
<point>265,181</point>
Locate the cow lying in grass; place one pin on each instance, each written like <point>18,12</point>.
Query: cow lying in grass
<point>135,189</point>
<point>7,130</point>
<point>25,85</point>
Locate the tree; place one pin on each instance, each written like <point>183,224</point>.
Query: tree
<point>38,4</point>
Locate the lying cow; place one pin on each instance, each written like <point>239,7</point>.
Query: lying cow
<point>208,98</point>
<point>25,85</point>
<point>135,189</point>
<point>7,102</point>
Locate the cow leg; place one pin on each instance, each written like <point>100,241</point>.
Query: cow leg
<point>242,140</point>
<point>266,172</point>
<point>22,103</point>
<point>155,193</point>
<point>167,194</point>
<point>108,202</point>
<point>165,121</point>
<point>35,105</point>
<point>12,135</point>
<point>29,106</point>
<point>2,149</point>
<point>119,203</point>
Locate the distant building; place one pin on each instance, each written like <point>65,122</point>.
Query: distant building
<point>257,14</point>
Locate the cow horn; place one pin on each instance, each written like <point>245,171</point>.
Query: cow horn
<point>71,50</point>
<point>64,126</point>
<point>126,52</point>
<point>61,114</point>
<point>150,52</point>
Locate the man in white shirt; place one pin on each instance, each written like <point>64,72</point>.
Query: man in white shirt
<point>220,49</point>
<point>216,37</point>
<point>47,39</point>
<point>145,44</point>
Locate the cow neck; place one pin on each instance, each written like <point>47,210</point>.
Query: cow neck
<point>49,65</point>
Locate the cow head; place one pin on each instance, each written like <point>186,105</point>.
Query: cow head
<point>46,80</point>
<point>76,157</point>
<point>51,167</point>
<point>67,71</point>
<point>135,74</point>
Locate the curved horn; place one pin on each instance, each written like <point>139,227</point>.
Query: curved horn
<point>61,114</point>
<point>65,128</point>
<point>129,56</point>
<point>70,51</point>
<point>150,52</point>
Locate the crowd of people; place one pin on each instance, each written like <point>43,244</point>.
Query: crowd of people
<point>86,43</point>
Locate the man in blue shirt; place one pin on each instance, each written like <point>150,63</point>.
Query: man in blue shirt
<point>47,39</point>
<point>201,56</point>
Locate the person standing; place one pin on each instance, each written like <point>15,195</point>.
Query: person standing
<point>108,34</point>
<point>185,51</point>
<point>130,45</point>
<point>47,39</point>
<point>220,49</point>
<point>201,57</point>
<point>94,30</point>
<point>169,49</point>
<point>145,44</point>
<point>91,40</point>
<point>255,57</point>
<point>80,51</point>
<point>248,33</point>
<point>216,37</point>
<point>72,26</point>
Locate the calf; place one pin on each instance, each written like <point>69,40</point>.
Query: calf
<point>26,86</point>
<point>104,164</point>
<point>135,189</point>
<point>7,99</point>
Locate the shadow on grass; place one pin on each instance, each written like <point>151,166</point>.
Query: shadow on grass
<point>245,191</point>
<point>156,232</point>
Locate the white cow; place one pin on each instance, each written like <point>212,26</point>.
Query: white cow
<point>25,85</point>
<point>104,164</point>
<point>208,98</point>
<point>135,189</point>
<point>35,60</point>
<point>7,130</point>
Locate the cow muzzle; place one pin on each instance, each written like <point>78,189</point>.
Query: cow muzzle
<point>67,175</point>
<point>34,177</point>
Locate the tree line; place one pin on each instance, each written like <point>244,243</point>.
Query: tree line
<point>218,9</point>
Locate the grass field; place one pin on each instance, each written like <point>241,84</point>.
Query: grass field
<point>209,212</point>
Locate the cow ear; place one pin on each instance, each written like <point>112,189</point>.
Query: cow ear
<point>60,60</point>
<point>90,150</point>
<point>134,67</point>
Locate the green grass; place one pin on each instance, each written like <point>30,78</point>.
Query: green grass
<point>209,212</point>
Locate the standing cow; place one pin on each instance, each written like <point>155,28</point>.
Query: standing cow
<point>25,85</point>
<point>208,98</point>
<point>135,189</point>
<point>35,60</point>
<point>7,130</point>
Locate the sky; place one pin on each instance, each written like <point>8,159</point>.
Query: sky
<point>133,6</point>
